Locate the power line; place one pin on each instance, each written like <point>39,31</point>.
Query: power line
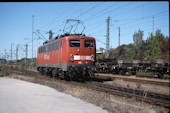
<point>75,13</point>
<point>102,10</point>
<point>90,10</point>
<point>147,22</point>
<point>54,19</point>
<point>101,41</point>
<point>93,7</point>
<point>112,10</point>
<point>133,9</point>
<point>144,18</point>
<point>149,28</point>
<point>138,18</point>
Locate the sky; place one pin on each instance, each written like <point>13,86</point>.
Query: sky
<point>19,19</point>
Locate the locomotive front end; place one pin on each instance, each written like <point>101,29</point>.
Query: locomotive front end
<point>81,55</point>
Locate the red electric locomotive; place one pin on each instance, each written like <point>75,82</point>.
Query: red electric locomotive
<point>69,56</point>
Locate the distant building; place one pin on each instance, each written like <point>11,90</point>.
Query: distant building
<point>100,51</point>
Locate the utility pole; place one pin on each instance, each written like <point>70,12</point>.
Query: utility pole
<point>26,54</point>
<point>11,52</point>
<point>16,54</point>
<point>5,54</point>
<point>7,57</point>
<point>107,36</point>
<point>32,35</point>
<point>153,25</point>
<point>119,37</point>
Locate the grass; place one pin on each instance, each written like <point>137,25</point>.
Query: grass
<point>144,74</point>
<point>3,72</point>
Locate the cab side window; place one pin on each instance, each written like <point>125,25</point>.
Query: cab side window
<point>88,43</point>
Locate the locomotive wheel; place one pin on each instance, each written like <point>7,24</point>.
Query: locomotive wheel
<point>61,74</point>
<point>83,80</point>
<point>121,72</point>
<point>160,75</point>
<point>49,73</point>
<point>67,76</point>
<point>133,73</point>
<point>45,71</point>
<point>71,75</point>
<point>54,73</point>
<point>40,70</point>
<point>89,75</point>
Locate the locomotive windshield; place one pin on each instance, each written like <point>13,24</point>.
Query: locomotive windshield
<point>74,43</point>
<point>88,43</point>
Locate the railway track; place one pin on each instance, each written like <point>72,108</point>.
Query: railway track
<point>139,80</point>
<point>143,96</point>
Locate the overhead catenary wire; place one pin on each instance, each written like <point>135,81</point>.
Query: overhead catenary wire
<point>131,9</point>
<point>143,18</point>
<point>87,11</point>
<point>93,7</point>
<point>101,11</point>
<point>124,5</point>
<point>147,28</point>
<point>123,34</point>
<point>143,23</point>
<point>127,11</point>
<point>54,19</point>
<point>71,14</point>
<point>82,14</point>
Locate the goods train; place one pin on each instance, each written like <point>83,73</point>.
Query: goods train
<point>124,67</point>
<point>68,56</point>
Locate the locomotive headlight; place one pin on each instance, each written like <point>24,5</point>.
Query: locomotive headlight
<point>71,57</point>
<point>92,58</point>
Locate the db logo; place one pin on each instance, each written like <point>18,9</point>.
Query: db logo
<point>46,57</point>
<point>83,57</point>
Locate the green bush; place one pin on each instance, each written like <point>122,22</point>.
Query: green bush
<point>3,72</point>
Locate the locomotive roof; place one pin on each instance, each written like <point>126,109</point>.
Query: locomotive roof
<point>62,36</point>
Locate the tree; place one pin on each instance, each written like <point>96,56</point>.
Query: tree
<point>121,52</point>
<point>154,45</point>
<point>165,49</point>
<point>129,52</point>
<point>138,41</point>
